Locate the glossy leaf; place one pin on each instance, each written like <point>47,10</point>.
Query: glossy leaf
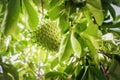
<point>70,68</point>
<point>46,4</point>
<point>92,45</point>
<point>63,23</point>
<point>94,73</point>
<point>96,9</point>
<point>80,27</point>
<point>90,36</point>
<point>55,62</point>
<point>111,25</point>
<point>89,75</point>
<point>11,16</point>
<point>1,76</point>
<point>116,2</point>
<point>65,48</point>
<point>55,12</point>
<point>53,74</point>
<point>37,3</point>
<point>55,3</point>
<point>82,73</point>
<point>114,70</point>
<point>95,3</point>
<point>76,46</point>
<point>77,69</point>
<point>10,72</point>
<point>32,15</point>
<point>112,11</point>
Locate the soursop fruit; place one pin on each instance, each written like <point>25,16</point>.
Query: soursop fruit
<point>47,36</point>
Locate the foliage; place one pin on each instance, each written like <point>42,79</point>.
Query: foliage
<point>88,47</point>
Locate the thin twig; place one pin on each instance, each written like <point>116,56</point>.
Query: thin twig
<point>105,71</point>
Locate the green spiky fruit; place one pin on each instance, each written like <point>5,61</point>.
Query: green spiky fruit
<point>47,36</point>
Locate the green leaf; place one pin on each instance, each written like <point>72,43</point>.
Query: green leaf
<point>82,73</point>
<point>11,16</point>
<point>91,37</point>
<point>54,62</point>
<point>112,11</point>
<point>43,56</point>
<point>37,2</point>
<point>65,48</point>
<point>90,75</point>
<point>63,23</point>
<point>1,76</point>
<point>114,69</point>
<point>9,72</point>
<point>94,73</point>
<point>92,44</point>
<point>96,9</point>
<point>111,25</point>
<point>95,3</point>
<point>116,2</point>
<point>76,46</point>
<point>46,4</point>
<point>55,12</point>
<point>55,3</point>
<point>23,43</point>
<point>117,18</point>
<point>70,68</point>
<point>32,15</point>
<point>78,69</point>
<point>80,27</point>
<point>92,29</point>
<point>54,75</point>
